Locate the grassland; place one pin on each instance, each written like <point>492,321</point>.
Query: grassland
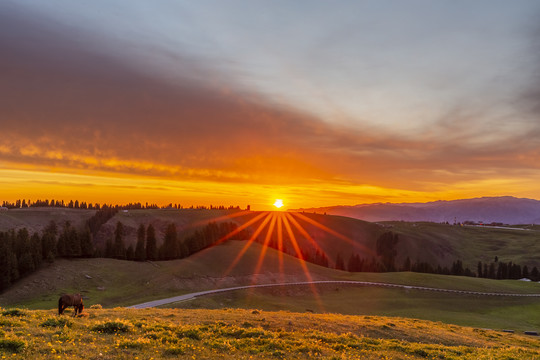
<point>121,283</point>
<point>246,334</point>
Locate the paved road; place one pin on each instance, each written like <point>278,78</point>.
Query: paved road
<point>335,282</point>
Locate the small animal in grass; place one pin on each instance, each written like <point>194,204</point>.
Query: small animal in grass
<point>67,300</point>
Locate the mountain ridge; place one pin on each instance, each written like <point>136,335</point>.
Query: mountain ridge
<point>501,209</point>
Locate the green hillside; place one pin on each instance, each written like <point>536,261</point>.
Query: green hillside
<point>446,243</point>
<point>437,244</point>
<point>120,283</point>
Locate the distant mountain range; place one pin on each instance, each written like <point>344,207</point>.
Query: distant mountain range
<point>505,209</point>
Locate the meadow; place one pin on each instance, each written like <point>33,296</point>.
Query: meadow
<point>120,333</point>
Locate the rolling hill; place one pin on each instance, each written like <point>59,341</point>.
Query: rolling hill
<point>438,244</point>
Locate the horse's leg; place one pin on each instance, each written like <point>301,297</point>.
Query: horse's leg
<point>74,310</point>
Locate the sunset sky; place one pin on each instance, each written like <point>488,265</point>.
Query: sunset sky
<point>243,102</point>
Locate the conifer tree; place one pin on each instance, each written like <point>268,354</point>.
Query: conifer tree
<point>151,243</point>
<point>340,264</point>
<point>119,248</point>
<point>140,251</point>
<point>5,261</point>
<point>130,253</point>
<point>37,257</point>
<point>109,248</point>
<point>48,241</point>
<point>87,245</point>
<point>170,243</point>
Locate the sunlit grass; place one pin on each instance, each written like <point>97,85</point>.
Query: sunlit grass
<point>245,334</point>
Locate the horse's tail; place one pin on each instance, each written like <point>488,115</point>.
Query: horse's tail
<point>60,306</point>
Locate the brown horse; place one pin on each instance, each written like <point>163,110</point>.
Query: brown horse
<point>74,300</point>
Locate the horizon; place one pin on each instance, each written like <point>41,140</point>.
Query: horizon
<point>64,203</point>
<point>313,103</point>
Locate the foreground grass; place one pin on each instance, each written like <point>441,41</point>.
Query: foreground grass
<point>218,334</point>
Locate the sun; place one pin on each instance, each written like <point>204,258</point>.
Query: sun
<point>278,203</point>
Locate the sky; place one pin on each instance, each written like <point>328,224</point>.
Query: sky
<point>237,102</point>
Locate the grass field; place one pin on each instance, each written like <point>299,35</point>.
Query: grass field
<point>246,334</point>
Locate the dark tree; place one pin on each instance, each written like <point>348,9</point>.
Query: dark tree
<point>480,269</point>
<point>535,276</point>
<point>109,248</point>
<point>386,249</point>
<point>73,243</point>
<point>130,253</point>
<point>492,274</point>
<point>37,257</point>
<point>170,249</point>
<point>61,245</point>
<point>87,245</point>
<point>48,241</point>
<point>151,244</point>
<point>140,251</point>
<point>340,264</point>
<point>407,264</point>
<point>22,243</point>
<point>525,272</point>
<point>5,261</point>
<point>119,248</point>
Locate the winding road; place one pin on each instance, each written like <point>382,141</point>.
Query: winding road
<point>192,296</point>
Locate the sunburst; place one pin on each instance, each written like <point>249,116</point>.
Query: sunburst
<point>283,225</point>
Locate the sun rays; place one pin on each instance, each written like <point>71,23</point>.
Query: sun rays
<point>280,231</point>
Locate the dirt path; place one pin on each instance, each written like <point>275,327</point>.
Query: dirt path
<point>191,296</point>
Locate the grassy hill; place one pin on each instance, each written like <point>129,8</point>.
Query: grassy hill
<point>246,334</point>
<point>446,243</point>
<point>36,219</point>
<point>120,283</point>
<point>429,242</point>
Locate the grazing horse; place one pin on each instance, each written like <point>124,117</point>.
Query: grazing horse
<point>74,300</point>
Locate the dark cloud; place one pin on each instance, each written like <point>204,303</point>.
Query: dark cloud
<point>67,102</point>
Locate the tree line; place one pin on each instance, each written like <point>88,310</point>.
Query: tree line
<point>23,203</point>
<point>172,246</point>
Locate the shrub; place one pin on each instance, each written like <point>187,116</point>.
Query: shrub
<point>6,322</point>
<point>51,322</point>
<point>14,312</point>
<point>111,327</point>
<point>96,306</point>
<point>177,350</point>
<point>189,333</point>
<point>137,344</point>
<point>12,345</point>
